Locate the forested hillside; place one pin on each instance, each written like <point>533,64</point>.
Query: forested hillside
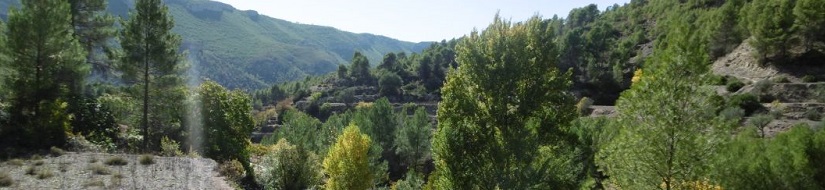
<point>243,49</point>
<point>703,94</point>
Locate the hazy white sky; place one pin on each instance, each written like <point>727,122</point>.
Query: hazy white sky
<point>411,20</point>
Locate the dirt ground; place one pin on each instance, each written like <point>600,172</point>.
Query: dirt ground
<point>89,171</point>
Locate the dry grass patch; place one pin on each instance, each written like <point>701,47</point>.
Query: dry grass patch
<point>147,159</point>
<point>44,173</point>
<point>16,162</point>
<point>94,183</point>
<point>99,169</point>
<point>116,161</point>
<point>57,151</point>
<point>5,180</point>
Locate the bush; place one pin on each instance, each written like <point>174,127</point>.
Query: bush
<point>169,147</point>
<point>290,167</point>
<point>5,180</point>
<point>116,161</point>
<point>44,173</point>
<point>147,159</point>
<point>748,102</point>
<point>813,115</point>
<point>99,169</point>
<point>808,78</point>
<point>57,151</point>
<point>389,83</point>
<point>781,79</point>
<point>734,85</point>
<point>732,113</point>
<point>232,170</point>
<point>583,107</point>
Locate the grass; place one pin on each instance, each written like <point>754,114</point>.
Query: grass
<point>39,162</point>
<point>94,183</point>
<point>44,173</point>
<point>99,169</point>
<point>31,170</point>
<point>147,159</point>
<point>16,162</point>
<point>116,161</point>
<point>57,152</point>
<point>6,180</point>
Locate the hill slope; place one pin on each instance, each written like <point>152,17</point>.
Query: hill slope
<point>242,49</point>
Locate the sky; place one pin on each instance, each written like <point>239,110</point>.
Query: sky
<point>411,20</point>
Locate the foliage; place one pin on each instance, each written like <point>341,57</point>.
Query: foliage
<point>151,52</point>
<point>300,129</point>
<point>94,30</point>
<point>772,27</point>
<point>94,120</point>
<point>583,107</point>
<point>389,84</point>
<point>412,140</point>
<point>412,182</point>
<point>734,85</point>
<point>810,21</point>
<point>666,144</point>
<point>290,167</point>
<point>169,147</point>
<point>227,124</point>
<point>748,102</point>
<point>46,67</point>
<point>347,163</point>
<point>233,170</point>
<point>791,160</point>
<point>56,151</point>
<point>502,104</point>
<point>360,69</point>
<point>6,180</point>
<point>760,122</point>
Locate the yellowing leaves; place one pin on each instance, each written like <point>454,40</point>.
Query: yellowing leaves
<point>347,163</point>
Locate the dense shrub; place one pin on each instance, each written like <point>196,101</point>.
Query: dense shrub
<point>146,159</point>
<point>227,124</point>
<point>748,102</point>
<point>169,147</point>
<point>232,170</point>
<point>389,84</point>
<point>290,167</point>
<point>813,115</point>
<point>347,163</point>
<point>583,107</point>
<point>734,85</point>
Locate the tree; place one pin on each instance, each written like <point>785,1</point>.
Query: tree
<point>47,65</point>
<point>94,29</point>
<point>151,50</point>
<point>389,63</point>
<point>810,20</point>
<point>668,129</point>
<point>342,71</point>
<point>412,141</point>
<point>505,101</point>
<point>360,69</point>
<point>389,84</point>
<point>227,124</point>
<point>290,167</point>
<point>772,27</point>
<point>347,163</point>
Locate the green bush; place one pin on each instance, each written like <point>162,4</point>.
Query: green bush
<point>290,167</point>
<point>169,147</point>
<point>232,170</point>
<point>808,78</point>
<point>813,115</point>
<point>227,124</point>
<point>781,79</point>
<point>583,107</point>
<point>116,161</point>
<point>734,85</point>
<point>748,102</point>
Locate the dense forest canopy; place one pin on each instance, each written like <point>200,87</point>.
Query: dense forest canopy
<point>510,106</point>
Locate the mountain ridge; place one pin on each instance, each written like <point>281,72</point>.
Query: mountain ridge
<point>241,49</point>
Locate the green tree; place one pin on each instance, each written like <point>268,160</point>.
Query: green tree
<point>390,62</point>
<point>389,84</point>
<point>227,124</point>
<point>342,71</point>
<point>505,101</point>
<point>151,50</point>
<point>412,141</point>
<point>772,27</point>
<point>360,69</point>
<point>810,20</point>
<point>668,130</point>
<point>290,167</point>
<point>47,65</point>
<point>94,29</point>
<point>347,163</point>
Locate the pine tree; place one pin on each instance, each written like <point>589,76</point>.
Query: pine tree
<point>48,64</point>
<point>810,20</point>
<point>151,50</point>
<point>94,28</point>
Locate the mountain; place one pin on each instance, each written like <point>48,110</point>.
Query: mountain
<point>246,50</point>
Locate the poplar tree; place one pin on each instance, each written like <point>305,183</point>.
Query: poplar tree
<point>150,51</point>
